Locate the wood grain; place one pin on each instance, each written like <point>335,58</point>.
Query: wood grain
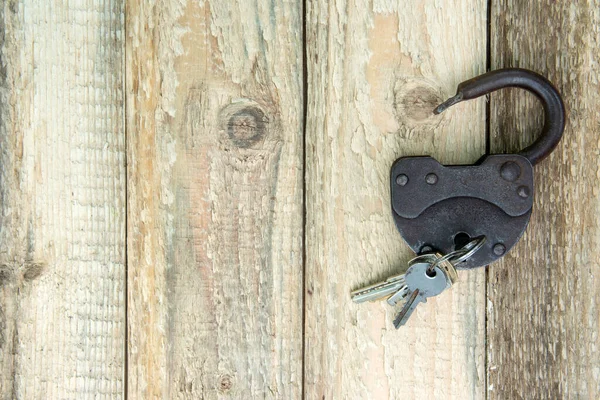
<point>544,306</point>
<point>62,200</point>
<point>214,117</point>
<point>376,70</point>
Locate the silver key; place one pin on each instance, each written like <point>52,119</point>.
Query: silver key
<point>427,259</point>
<point>421,284</point>
<point>417,285</point>
<point>393,288</point>
<point>379,290</point>
<point>399,295</point>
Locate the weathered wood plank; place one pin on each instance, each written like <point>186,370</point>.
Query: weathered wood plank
<point>376,70</point>
<point>543,298</point>
<point>62,200</point>
<point>214,117</point>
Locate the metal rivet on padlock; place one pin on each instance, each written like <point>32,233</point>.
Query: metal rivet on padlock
<point>440,208</point>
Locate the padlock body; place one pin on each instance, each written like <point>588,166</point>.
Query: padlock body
<point>440,207</point>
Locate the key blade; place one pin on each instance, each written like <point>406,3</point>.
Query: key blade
<point>379,290</point>
<point>399,295</point>
<point>375,294</point>
<point>413,301</point>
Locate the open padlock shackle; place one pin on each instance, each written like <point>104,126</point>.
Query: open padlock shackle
<point>554,109</point>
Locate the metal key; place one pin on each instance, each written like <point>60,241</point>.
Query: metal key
<point>428,275</point>
<point>423,284</point>
<point>429,260</point>
<point>394,287</point>
<point>379,290</point>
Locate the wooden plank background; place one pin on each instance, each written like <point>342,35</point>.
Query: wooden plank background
<point>62,200</point>
<point>214,121</point>
<point>372,84</point>
<point>189,191</point>
<point>543,302</point>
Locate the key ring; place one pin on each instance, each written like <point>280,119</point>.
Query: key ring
<point>462,254</point>
<point>471,248</point>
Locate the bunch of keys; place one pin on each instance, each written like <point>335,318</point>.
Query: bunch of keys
<point>488,204</point>
<point>428,275</point>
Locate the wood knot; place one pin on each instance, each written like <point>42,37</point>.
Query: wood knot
<point>14,271</point>
<point>247,126</point>
<point>245,123</point>
<point>225,383</point>
<point>5,274</point>
<point>414,101</point>
<point>419,103</point>
<point>33,270</point>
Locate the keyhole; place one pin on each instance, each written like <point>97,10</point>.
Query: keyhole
<point>431,273</point>
<point>461,239</point>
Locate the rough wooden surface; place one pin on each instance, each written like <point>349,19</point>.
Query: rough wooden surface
<point>376,70</point>
<point>543,305</point>
<point>214,113</point>
<point>62,200</point>
<point>214,117</point>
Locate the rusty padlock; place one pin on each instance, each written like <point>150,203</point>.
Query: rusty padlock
<point>440,208</point>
